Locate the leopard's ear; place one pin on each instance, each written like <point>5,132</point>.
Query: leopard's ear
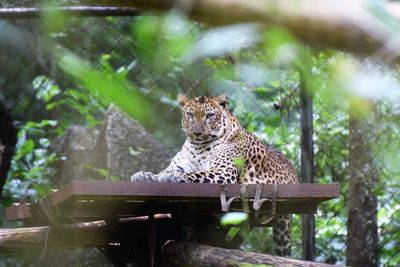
<point>182,100</point>
<point>223,101</point>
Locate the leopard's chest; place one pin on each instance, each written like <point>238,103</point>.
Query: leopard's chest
<point>199,158</point>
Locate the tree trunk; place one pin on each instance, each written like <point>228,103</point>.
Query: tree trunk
<point>362,235</point>
<point>307,163</point>
<point>190,254</point>
<point>8,139</point>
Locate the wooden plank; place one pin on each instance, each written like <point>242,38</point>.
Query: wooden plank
<point>147,191</point>
<point>101,198</point>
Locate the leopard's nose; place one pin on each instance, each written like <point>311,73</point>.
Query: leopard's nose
<point>197,129</point>
<point>197,134</point>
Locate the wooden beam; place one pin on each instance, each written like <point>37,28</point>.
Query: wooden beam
<point>361,27</point>
<point>187,254</point>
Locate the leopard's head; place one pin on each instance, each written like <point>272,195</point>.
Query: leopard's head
<point>204,118</point>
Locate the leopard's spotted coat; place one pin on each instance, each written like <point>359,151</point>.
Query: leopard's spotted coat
<point>216,144</point>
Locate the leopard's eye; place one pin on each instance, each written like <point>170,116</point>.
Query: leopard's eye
<point>189,115</point>
<point>210,115</point>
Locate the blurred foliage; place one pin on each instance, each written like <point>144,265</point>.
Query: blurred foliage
<point>81,65</point>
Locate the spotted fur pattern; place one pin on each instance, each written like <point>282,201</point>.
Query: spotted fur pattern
<point>219,150</point>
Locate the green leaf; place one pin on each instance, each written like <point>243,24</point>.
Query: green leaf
<point>273,121</point>
<point>134,152</point>
<point>108,87</point>
<point>26,147</point>
<point>115,178</point>
<point>234,218</point>
<point>45,88</point>
<point>233,231</point>
<point>239,163</point>
<point>44,123</point>
<point>103,172</point>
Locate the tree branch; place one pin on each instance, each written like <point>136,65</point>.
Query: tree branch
<point>360,27</point>
<point>73,11</point>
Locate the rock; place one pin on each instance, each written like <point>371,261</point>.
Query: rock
<point>119,149</point>
<point>124,147</point>
<point>75,149</point>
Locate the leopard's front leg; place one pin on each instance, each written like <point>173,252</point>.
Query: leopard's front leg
<point>171,174</point>
<point>217,176</point>
<point>179,171</point>
<point>213,176</point>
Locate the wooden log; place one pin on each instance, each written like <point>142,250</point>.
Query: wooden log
<point>360,27</point>
<point>187,254</point>
<point>71,236</point>
<point>87,234</point>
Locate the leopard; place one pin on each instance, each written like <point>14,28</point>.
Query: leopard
<point>219,150</point>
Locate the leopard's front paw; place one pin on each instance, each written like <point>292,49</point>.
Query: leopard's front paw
<point>170,178</point>
<point>143,177</point>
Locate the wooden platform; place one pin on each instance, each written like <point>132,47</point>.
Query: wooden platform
<point>93,200</point>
